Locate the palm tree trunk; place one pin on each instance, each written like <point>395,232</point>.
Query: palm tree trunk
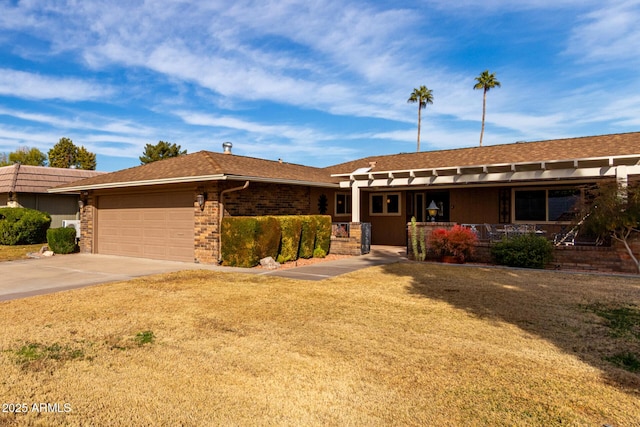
<point>484,110</point>
<point>419,119</point>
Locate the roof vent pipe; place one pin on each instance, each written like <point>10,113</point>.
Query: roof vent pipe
<point>226,147</point>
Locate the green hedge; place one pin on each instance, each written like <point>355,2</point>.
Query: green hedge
<point>290,241</point>
<point>239,241</point>
<point>22,226</point>
<point>62,240</point>
<point>246,240</point>
<point>308,236</point>
<point>323,233</point>
<point>268,237</point>
<point>528,250</point>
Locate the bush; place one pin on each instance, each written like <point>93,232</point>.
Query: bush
<point>319,253</point>
<point>22,226</point>
<point>527,250</point>
<point>458,242</point>
<point>323,233</point>
<point>239,238</point>
<point>308,236</point>
<point>62,240</point>
<point>267,237</point>
<point>291,229</point>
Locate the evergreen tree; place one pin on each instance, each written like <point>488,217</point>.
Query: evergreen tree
<point>162,150</point>
<point>65,154</point>
<point>85,159</point>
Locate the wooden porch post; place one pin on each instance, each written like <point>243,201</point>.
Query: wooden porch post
<point>355,202</point>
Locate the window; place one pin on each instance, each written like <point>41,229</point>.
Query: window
<point>546,205</point>
<point>562,204</point>
<point>531,205</point>
<point>343,204</point>
<point>384,204</point>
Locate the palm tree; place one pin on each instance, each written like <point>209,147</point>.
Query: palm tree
<point>485,81</point>
<point>422,96</point>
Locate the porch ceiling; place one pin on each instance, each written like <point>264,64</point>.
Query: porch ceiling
<point>593,167</point>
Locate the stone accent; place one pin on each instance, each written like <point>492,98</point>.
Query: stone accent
<point>87,221</point>
<point>206,233</point>
<point>351,245</point>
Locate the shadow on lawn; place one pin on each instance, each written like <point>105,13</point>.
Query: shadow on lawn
<point>553,306</point>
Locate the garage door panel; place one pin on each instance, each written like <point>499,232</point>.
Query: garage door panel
<point>156,225</point>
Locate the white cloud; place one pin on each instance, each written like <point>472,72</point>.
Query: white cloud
<point>36,86</point>
<point>610,33</point>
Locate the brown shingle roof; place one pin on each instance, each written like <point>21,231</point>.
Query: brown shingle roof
<point>38,179</point>
<point>207,164</point>
<point>557,149</point>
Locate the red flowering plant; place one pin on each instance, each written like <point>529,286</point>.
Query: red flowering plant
<point>438,241</point>
<point>459,242</point>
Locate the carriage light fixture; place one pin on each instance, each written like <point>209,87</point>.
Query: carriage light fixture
<point>432,210</point>
<point>201,198</point>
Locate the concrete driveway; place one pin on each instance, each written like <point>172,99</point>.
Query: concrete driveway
<point>23,278</point>
<point>28,277</point>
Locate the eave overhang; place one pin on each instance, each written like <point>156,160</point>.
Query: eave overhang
<point>188,179</point>
<point>494,173</point>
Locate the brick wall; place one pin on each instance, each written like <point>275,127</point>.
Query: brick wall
<point>87,224</point>
<point>206,232</point>
<point>351,245</point>
<point>267,199</point>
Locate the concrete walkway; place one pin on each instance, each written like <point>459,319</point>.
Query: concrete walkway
<point>379,255</point>
<point>28,277</point>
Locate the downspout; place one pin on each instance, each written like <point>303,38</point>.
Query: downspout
<point>221,215</point>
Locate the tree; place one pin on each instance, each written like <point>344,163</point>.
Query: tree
<point>162,150</point>
<point>422,96</point>
<point>28,156</point>
<point>65,154</point>
<point>485,81</point>
<point>4,160</point>
<point>85,159</point>
<point>24,156</point>
<point>614,210</point>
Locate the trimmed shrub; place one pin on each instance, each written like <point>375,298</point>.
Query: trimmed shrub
<point>527,250</point>
<point>319,253</point>
<point>290,243</point>
<point>62,240</point>
<point>308,236</point>
<point>22,226</point>
<point>323,233</point>
<point>239,241</point>
<point>267,237</point>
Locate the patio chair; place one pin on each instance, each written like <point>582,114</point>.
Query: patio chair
<point>565,239</point>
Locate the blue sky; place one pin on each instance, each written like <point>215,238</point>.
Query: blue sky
<point>316,82</point>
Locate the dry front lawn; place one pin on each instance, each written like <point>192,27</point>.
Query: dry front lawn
<point>405,344</point>
<point>9,253</point>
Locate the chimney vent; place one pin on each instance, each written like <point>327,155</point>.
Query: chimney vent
<point>226,147</point>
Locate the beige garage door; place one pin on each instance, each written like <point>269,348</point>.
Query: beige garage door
<point>153,225</point>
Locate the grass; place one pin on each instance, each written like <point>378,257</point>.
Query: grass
<point>10,253</point>
<point>405,344</point>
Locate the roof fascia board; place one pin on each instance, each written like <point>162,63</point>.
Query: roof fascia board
<point>184,179</point>
<point>281,181</point>
<point>535,175</point>
<point>217,177</point>
<point>542,165</point>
